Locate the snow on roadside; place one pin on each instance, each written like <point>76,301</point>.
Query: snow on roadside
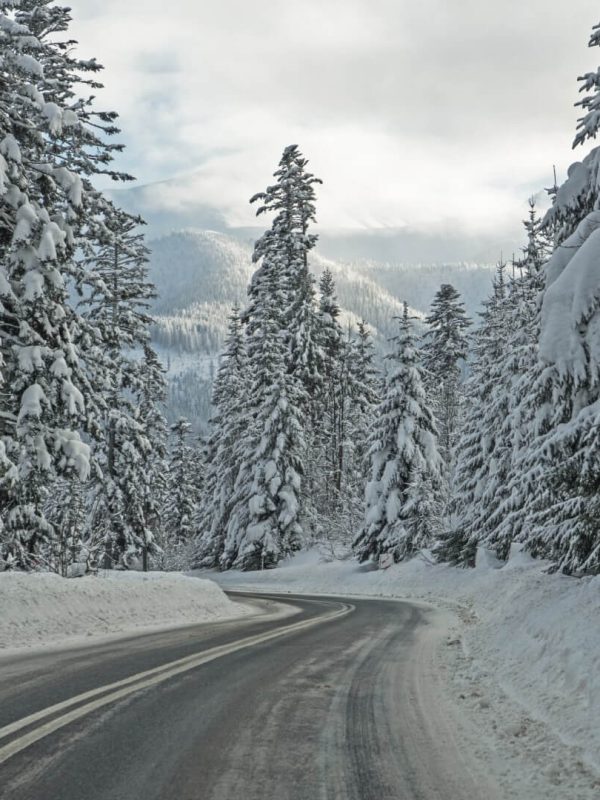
<point>39,609</point>
<point>528,638</point>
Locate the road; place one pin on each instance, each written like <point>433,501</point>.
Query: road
<point>339,701</point>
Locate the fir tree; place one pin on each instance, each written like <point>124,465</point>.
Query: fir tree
<point>329,433</point>
<point>480,438</point>
<point>444,354</point>
<point>266,511</point>
<point>405,460</point>
<point>266,524</point>
<point>228,425</point>
<point>283,249</point>
<point>52,143</point>
<point>180,507</point>
<point>118,312</point>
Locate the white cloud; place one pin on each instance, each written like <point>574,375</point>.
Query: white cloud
<point>433,114</point>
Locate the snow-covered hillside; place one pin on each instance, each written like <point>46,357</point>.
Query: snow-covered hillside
<point>200,275</point>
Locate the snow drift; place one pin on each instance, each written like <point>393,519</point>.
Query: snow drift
<point>45,609</point>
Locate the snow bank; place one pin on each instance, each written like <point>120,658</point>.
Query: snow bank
<point>537,635</point>
<point>44,609</point>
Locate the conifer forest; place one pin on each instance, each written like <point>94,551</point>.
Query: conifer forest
<point>468,432</point>
<point>299,424</point>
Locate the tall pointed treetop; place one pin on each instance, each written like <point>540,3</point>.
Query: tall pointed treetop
<point>588,125</point>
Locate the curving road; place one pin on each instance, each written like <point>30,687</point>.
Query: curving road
<point>341,700</point>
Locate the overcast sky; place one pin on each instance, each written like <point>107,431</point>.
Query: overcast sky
<point>437,114</point>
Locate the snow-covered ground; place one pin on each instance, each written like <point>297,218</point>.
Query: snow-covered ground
<point>522,659</point>
<point>39,609</point>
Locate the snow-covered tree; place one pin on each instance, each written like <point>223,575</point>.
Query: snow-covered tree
<point>405,462</point>
<point>444,354</point>
<point>562,522</point>
<point>181,500</point>
<point>579,194</point>
<point>507,493</point>
<point>265,517</point>
<point>283,249</point>
<point>329,434</point>
<point>52,142</point>
<point>228,426</point>
<point>128,377</point>
<point>265,523</point>
<point>480,439</point>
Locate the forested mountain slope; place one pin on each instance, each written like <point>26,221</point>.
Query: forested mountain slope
<point>200,275</point>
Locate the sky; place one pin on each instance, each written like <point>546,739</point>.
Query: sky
<point>440,115</point>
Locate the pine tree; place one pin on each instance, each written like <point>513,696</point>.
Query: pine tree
<point>180,507</point>
<point>480,438</point>
<point>507,493</point>
<point>579,194</point>
<point>266,524</point>
<point>228,425</point>
<point>405,461</point>
<point>444,354</point>
<point>329,431</point>
<point>51,145</point>
<point>267,509</point>
<point>117,310</point>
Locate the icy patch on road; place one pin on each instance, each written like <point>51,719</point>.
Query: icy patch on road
<point>39,609</point>
<point>525,662</point>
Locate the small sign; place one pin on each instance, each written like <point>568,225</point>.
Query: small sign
<point>386,560</point>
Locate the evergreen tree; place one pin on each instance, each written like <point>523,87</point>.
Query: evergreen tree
<point>507,493</point>
<point>228,425</point>
<point>587,126</point>
<point>283,249</point>
<point>180,506</point>
<point>579,195</point>
<point>561,516</point>
<point>52,143</point>
<point>405,461</point>
<point>117,310</point>
<point>266,511</point>
<point>444,354</point>
<point>266,523</point>
<point>153,490</point>
<point>329,433</point>
<point>480,440</point>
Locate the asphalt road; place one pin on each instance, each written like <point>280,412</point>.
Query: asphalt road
<point>339,701</point>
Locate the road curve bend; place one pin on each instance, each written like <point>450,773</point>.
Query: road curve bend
<point>340,701</point>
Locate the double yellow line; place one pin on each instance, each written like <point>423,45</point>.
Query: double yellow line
<point>104,695</point>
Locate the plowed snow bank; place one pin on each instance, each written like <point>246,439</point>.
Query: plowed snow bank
<point>39,608</point>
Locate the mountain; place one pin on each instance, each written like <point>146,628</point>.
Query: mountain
<point>181,202</point>
<point>200,274</point>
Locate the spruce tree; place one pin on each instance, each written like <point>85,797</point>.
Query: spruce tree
<point>405,462</point>
<point>480,439</point>
<point>228,426</point>
<point>52,142</point>
<point>181,499</point>
<point>266,523</point>
<point>444,354</point>
<point>329,433</point>
<point>508,493</point>
<point>117,310</point>
<point>268,506</point>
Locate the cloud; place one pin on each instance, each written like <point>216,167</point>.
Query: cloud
<point>429,115</point>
